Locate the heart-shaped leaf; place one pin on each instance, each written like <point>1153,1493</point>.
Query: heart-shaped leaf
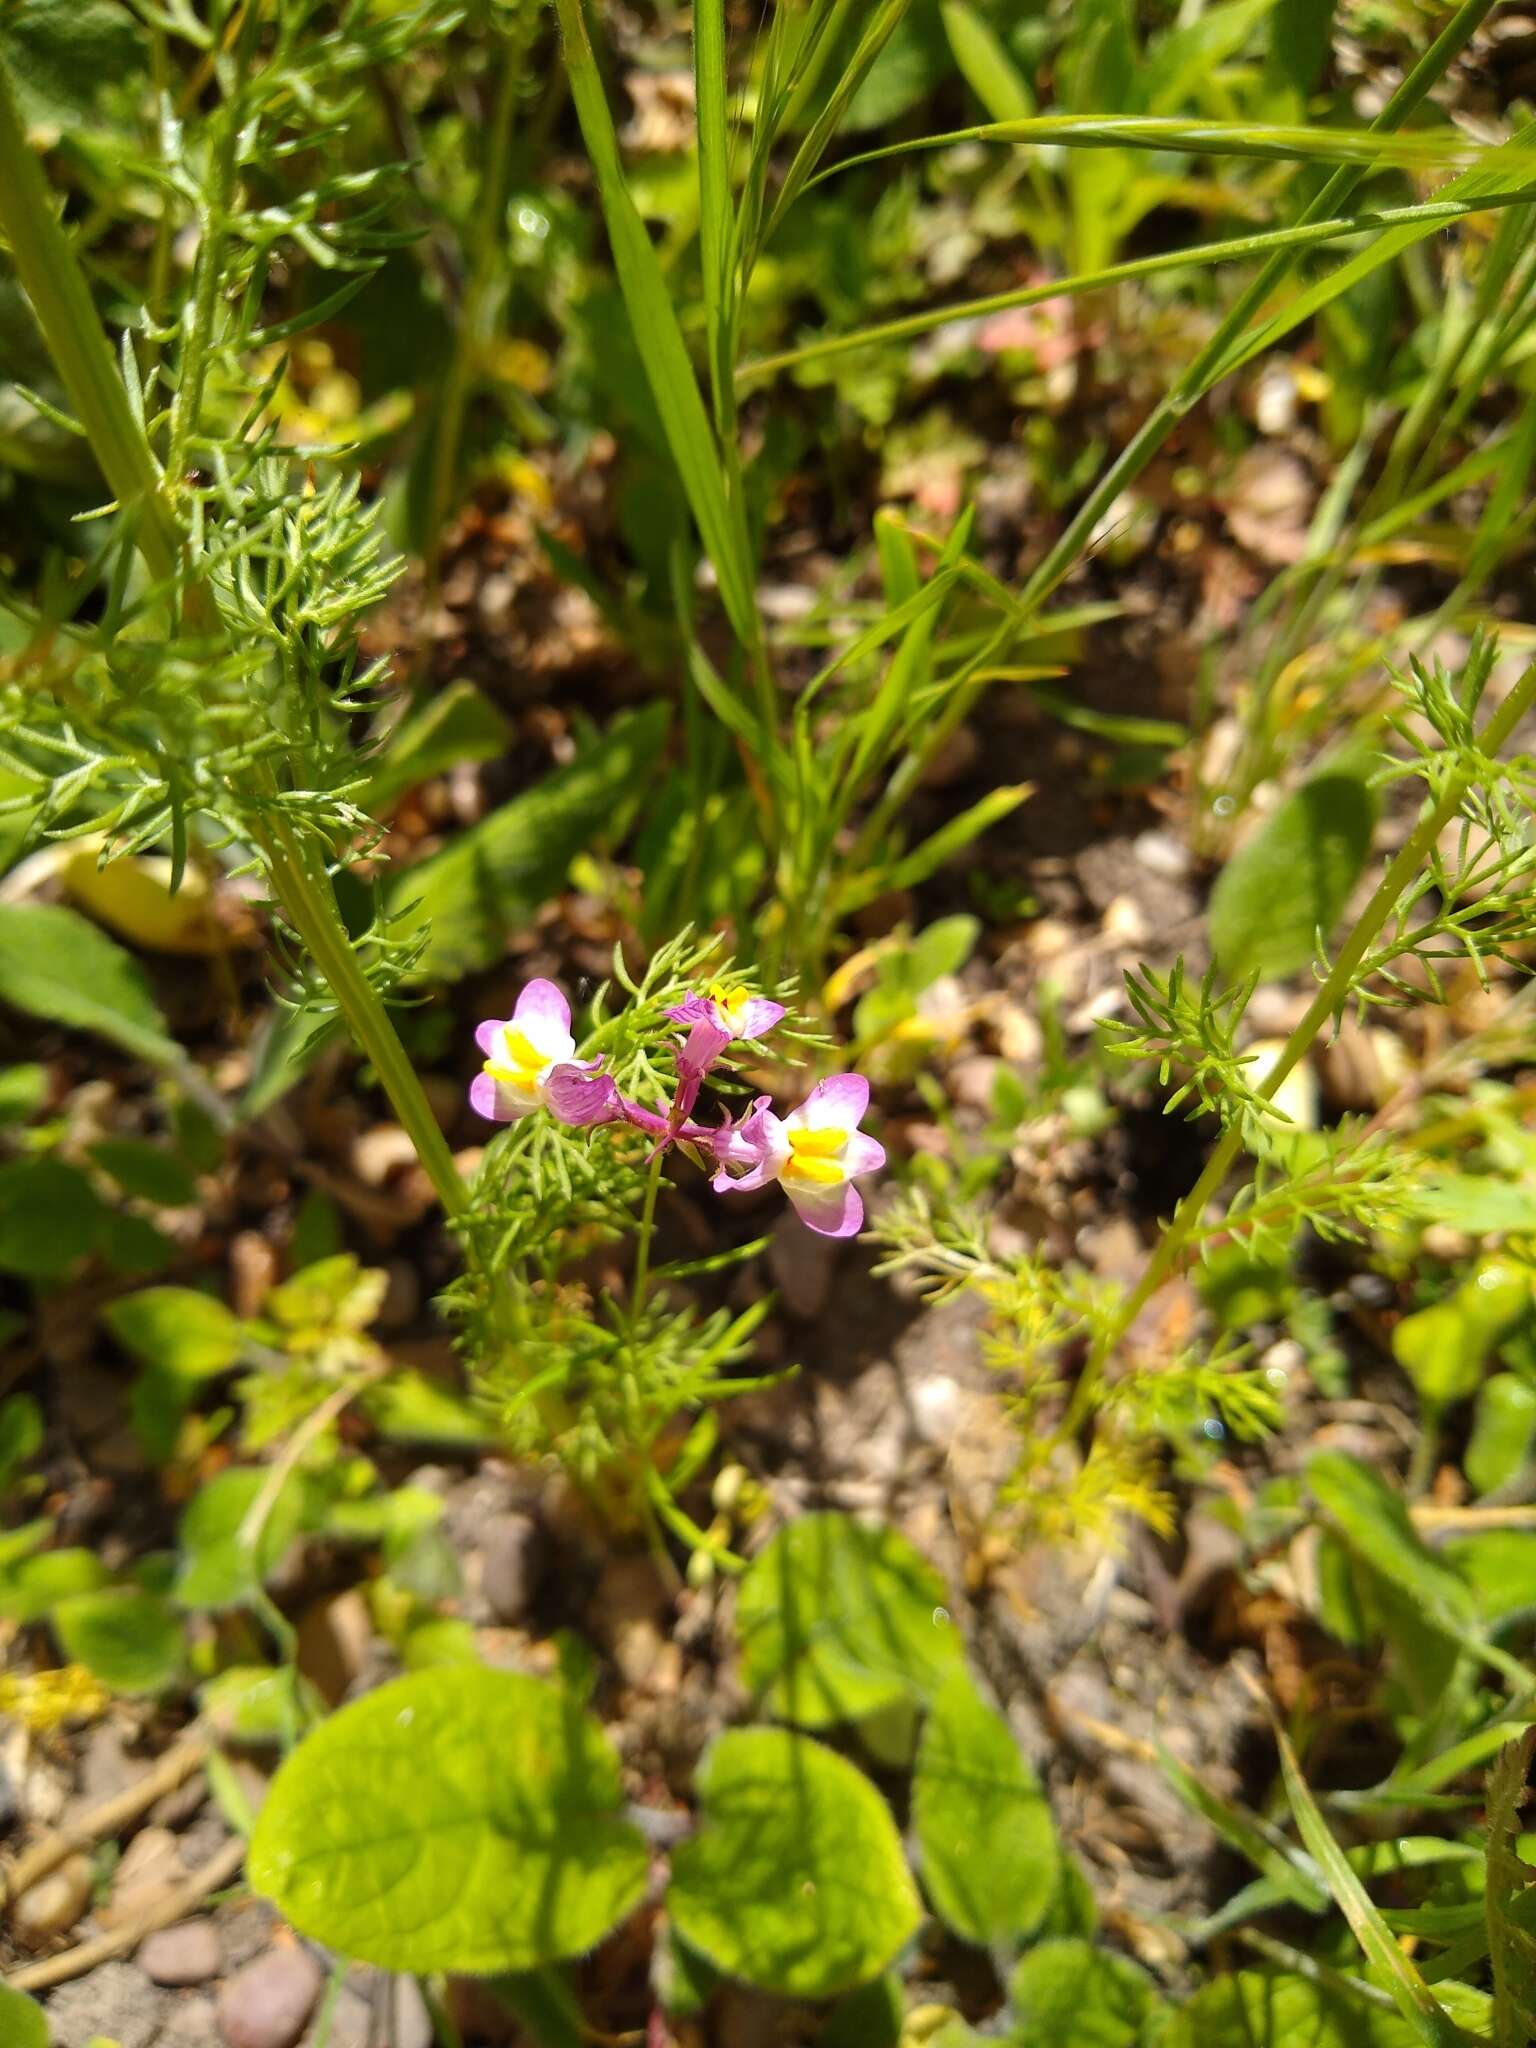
<point>796,1881</point>
<point>838,1621</point>
<point>458,1819</point>
<point>990,1864</point>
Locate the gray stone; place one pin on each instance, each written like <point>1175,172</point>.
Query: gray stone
<point>512,1570</point>
<point>268,2003</point>
<point>188,1953</point>
<point>113,2002</point>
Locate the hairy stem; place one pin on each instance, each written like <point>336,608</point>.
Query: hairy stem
<point>61,300</point>
<point>1329,1000</point>
<point>309,905</point>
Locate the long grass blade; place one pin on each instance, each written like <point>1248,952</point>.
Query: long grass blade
<point>714,188</point>
<point>1436,149</point>
<point>1427,218</point>
<point>1414,1999</point>
<point>720,520</point>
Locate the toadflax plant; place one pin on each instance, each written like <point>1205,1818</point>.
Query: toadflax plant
<point>617,1381</point>
<point>815,1153</point>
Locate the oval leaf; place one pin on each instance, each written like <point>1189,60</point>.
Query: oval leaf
<point>1293,878</point>
<point>838,1621</point>
<point>990,1864</point>
<point>1255,2009</point>
<point>177,1328</point>
<point>218,1568</point>
<point>22,2021</point>
<point>796,1881</point>
<point>129,1639</point>
<point>1074,1995</point>
<point>456,1819</point>
<point>54,964</point>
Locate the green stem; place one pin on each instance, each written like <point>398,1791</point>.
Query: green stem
<point>1328,1001</point>
<point>643,1249</point>
<point>309,905</point>
<point>213,232</point>
<point>61,299</point>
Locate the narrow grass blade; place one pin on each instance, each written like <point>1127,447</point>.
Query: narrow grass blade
<point>1413,1997</point>
<point>715,213</point>
<point>1422,219</point>
<point>874,39</point>
<point>659,338</point>
<point>1435,149</point>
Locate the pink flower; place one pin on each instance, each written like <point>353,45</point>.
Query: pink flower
<point>815,1153</point>
<point>577,1095</point>
<point>523,1054</point>
<point>714,1020</point>
<point>717,1018</point>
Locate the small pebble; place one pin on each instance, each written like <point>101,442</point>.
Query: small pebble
<point>187,1953</point>
<point>268,2003</point>
<point>54,1903</point>
<point>513,1568</point>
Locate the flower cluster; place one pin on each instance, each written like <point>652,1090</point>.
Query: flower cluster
<point>816,1153</point>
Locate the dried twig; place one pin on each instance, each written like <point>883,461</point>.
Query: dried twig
<point>74,1962</point>
<point>106,1818</point>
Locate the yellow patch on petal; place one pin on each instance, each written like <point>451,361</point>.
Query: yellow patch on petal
<point>520,1064</point>
<point>730,1002</point>
<point>815,1156</point>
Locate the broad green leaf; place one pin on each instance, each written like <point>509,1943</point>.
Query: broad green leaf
<point>457,1819</point>
<point>63,54</point>
<point>259,1703</point>
<point>795,1881</point>
<point>32,1588</point>
<point>23,2023</point>
<point>1373,1522</point>
<point>1180,61</point>
<point>989,1860</point>
<point>146,1170</point>
<point>50,1216</point>
<point>1442,1347</point>
<point>1074,1995</point>
<point>23,1091</point>
<point>1500,1567</point>
<point>56,965</point>
<point>181,1329</point>
<point>218,1568</point>
<point>838,1620</point>
<point>415,1409</point>
<point>1477,1203</point>
<point>1503,1431</point>
<point>870,2017</point>
<point>459,724</point>
<point>488,880</point>
<point>21,1435</point>
<point>1510,1895</point>
<point>984,63</point>
<point>1300,35</point>
<point>1292,879</point>
<point>129,1639</point>
<point>1255,2009</point>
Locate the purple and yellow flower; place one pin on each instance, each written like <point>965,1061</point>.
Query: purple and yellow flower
<point>715,1019</point>
<point>523,1054</point>
<point>815,1154</point>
